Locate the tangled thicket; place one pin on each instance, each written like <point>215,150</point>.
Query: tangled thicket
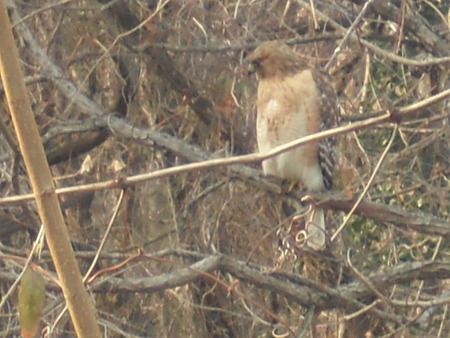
<point>212,252</point>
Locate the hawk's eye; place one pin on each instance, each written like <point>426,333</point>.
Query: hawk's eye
<point>253,66</point>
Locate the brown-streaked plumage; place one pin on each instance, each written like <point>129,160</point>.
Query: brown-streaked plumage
<point>294,101</point>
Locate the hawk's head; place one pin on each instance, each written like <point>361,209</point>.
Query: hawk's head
<point>274,58</point>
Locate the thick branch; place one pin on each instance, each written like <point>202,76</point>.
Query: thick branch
<point>405,220</point>
<point>297,288</point>
<point>80,306</point>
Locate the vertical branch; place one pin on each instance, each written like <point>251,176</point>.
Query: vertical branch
<point>80,305</point>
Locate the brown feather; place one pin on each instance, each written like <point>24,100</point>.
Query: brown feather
<point>295,101</point>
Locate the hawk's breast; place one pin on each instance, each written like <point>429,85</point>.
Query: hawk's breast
<point>287,110</point>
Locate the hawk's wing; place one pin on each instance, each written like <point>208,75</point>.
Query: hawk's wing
<point>330,118</point>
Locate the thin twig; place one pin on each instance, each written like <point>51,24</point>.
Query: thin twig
<point>95,259</point>
<point>313,12</point>
<point>369,183</point>
<point>378,50</point>
<point>361,311</point>
<point>105,236</point>
<point>35,249</point>
<point>368,283</point>
<point>307,321</point>
<point>348,34</point>
<point>215,48</point>
<point>441,325</point>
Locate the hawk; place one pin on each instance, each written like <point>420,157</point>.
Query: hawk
<point>294,101</point>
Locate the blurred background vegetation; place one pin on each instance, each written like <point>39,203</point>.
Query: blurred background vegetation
<point>178,68</point>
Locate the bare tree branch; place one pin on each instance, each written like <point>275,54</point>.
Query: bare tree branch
<point>385,7</point>
<point>80,305</point>
<point>405,220</point>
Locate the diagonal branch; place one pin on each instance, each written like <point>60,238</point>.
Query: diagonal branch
<point>405,220</point>
<point>80,305</point>
<point>294,286</point>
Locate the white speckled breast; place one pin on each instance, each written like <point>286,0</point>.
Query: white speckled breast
<point>287,110</point>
